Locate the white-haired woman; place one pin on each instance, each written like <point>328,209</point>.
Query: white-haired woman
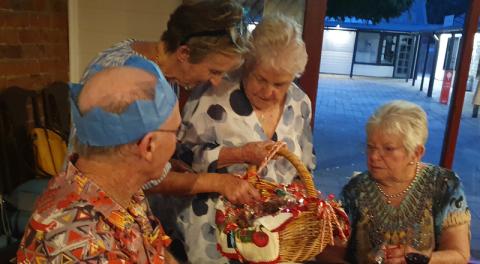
<point>401,202</point>
<point>230,126</point>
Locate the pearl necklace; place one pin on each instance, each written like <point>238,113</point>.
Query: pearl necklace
<point>388,197</point>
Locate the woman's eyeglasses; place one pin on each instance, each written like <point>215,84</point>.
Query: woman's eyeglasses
<point>236,34</point>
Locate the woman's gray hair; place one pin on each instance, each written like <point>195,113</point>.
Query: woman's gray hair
<point>402,118</point>
<point>191,23</point>
<point>277,42</point>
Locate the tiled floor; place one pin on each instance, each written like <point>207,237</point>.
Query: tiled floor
<point>343,106</point>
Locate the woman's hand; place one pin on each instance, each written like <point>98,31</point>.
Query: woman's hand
<point>255,152</point>
<point>180,166</point>
<point>394,254</point>
<point>237,190</point>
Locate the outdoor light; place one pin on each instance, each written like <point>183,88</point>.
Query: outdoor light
<point>436,37</point>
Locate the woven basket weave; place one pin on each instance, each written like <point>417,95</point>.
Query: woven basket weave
<point>312,230</point>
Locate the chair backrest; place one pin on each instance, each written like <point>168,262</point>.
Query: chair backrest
<point>16,120</point>
<point>56,108</point>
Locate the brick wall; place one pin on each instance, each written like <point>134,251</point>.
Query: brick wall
<point>33,43</point>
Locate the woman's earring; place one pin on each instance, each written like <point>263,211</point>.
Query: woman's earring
<point>411,162</point>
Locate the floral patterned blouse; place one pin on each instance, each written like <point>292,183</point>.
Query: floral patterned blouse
<point>436,201</point>
<point>76,222</point>
<point>223,116</point>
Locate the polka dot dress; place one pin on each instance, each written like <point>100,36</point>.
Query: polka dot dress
<point>223,116</point>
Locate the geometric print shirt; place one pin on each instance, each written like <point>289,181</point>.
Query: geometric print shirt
<point>76,222</point>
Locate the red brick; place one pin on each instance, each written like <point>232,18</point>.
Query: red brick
<point>59,6</point>
<point>61,65</point>
<point>40,20</point>
<point>3,82</point>
<point>16,19</point>
<point>10,51</point>
<point>9,68</point>
<point>40,5</point>
<point>4,4</point>
<point>33,51</point>
<point>12,68</point>
<point>44,21</point>
<point>19,81</point>
<point>3,68</point>
<point>61,76</point>
<point>29,36</point>
<point>47,65</point>
<point>22,5</point>
<point>50,50</point>
<point>29,82</point>
<point>8,36</point>
<point>60,21</point>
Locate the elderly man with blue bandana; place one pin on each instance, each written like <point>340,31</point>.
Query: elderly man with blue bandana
<point>95,211</point>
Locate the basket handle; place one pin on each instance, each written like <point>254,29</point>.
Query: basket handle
<point>303,172</point>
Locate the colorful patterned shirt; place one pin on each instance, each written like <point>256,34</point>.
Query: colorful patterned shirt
<point>75,221</point>
<point>435,202</point>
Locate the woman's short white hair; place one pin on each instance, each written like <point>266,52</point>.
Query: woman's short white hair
<point>277,42</point>
<point>402,118</point>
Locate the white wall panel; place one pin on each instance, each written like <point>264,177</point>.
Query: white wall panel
<point>96,25</point>
<point>337,51</point>
<point>373,70</point>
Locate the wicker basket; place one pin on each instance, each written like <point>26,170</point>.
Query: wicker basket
<point>312,230</point>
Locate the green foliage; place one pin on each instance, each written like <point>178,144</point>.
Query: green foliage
<point>374,10</point>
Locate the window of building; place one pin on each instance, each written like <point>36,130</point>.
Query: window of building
<point>367,47</point>
<point>376,48</point>
<point>387,48</point>
<point>451,54</point>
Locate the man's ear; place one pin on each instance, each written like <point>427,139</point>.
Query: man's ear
<point>183,53</point>
<point>146,146</point>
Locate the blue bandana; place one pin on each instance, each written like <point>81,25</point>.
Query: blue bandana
<point>100,128</point>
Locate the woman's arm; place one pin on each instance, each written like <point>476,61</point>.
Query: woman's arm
<point>250,153</point>
<point>235,189</point>
<point>454,246</point>
<point>333,254</point>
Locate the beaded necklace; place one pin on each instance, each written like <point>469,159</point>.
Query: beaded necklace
<point>388,197</point>
<point>384,218</point>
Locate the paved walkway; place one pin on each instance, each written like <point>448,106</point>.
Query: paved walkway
<point>343,107</point>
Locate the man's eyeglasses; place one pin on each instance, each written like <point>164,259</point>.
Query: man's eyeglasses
<point>173,131</point>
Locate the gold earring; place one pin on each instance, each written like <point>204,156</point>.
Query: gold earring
<point>411,162</point>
